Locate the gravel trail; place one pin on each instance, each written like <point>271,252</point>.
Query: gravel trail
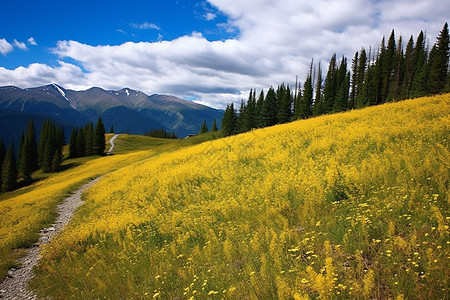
<point>111,141</point>
<point>15,284</point>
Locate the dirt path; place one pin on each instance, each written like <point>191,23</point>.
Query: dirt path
<point>111,141</point>
<point>15,285</point>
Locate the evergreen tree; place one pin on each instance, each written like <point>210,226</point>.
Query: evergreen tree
<point>89,139</point>
<point>354,81</point>
<point>28,162</point>
<point>112,129</point>
<point>317,108</point>
<point>81,142</point>
<point>307,99</point>
<point>342,86</point>
<point>285,104</point>
<point>249,118</point>
<point>9,171</point>
<point>204,128</point>
<point>438,64</point>
<point>398,73</point>
<point>99,138</point>
<point>361,75</point>
<point>269,110</point>
<point>241,116</point>
<point>297,105</point>
<point>258,111</point>
<point>408,69</point>
<point>418,84</point>
<point>229,121</point>
<point>73,144</point>
<point>2,159</point>
<point>214,126</point>
<point>50,141</point>
<point>329,90</point>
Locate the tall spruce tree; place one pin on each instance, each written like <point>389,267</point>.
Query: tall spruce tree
<point>214,126</point>
<point>50,142</point>
<point>89,139</point>
<point>99,138</point>
<point>204,128</point>
<point>229,121</point>
<point>28,156</point>
<point>307,99</point>
<point>418,84</point>
<point>318,99</point>
<point>408,69</point>
<point>329,90</point>
<point>9,171</point>
<point>438,64</point>
<point>2,159</point>
<point>269,110</point>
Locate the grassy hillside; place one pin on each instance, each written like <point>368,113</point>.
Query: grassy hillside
<point>353,205</point>
<point>24,212</point>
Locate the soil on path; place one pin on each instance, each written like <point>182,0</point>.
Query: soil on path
<point>15,285</point>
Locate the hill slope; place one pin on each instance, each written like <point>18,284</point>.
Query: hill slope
<point>353,205</point>
<point>128,110</point>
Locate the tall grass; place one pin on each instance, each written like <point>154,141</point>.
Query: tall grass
<point>353,205</point>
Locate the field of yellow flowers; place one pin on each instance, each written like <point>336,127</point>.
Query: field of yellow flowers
<point>346,206</point>
<point>24,212</point>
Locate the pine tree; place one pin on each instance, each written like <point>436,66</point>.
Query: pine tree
<point>318,99</point>
<point>354,81</point>
<point>99,138</point>
<point>229,121</point>
<point>89,139</point>
<point>214,126</point>
<point>258,110</point>
<point>438,63</point>
<point>284,111</point>
<point>249,118</point>
<point>307,99</point>
<point>342,86</point>
<point>269,110</point>
<point>204,128</point>
<point>297,105</point>
<point>329,90</point>
<point>112,129</point>
<point>408,69</point>
<point>73,143</point>
<point>2,159</point>
<point>418,84</point>
<point>50,141</point>
<point>9,171</point>
<point>398,73</point>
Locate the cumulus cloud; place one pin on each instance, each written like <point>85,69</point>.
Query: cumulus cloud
<point>145,25</point>
<point>5,47</point>
<point>20,45</point>
<point>277,40</point>
<point>32,41</point>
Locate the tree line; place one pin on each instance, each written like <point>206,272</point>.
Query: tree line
<point>161,133</point>
<point>87,140</point>
<point>390,73</point>
<point>45,155</point>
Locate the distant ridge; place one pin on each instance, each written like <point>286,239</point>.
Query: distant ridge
<point>126,109</point>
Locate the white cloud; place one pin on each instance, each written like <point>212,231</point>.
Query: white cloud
<point>5,47</point>
<point>20,45</point>
<point>145,25</point>
<point>32,41</point>
<point>277,40</point>
<point>210,16</point>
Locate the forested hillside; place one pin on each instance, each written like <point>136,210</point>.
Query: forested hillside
<point>387,73</point>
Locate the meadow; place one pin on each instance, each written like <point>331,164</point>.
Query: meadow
<point>24,212</point>
<point>347,206</point>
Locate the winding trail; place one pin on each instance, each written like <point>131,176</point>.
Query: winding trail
<point>15,285</point>
<point>111,141</point>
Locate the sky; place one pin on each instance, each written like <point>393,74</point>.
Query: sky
<point>211,52</point>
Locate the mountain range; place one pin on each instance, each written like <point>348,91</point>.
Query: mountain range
<point>126,110</point>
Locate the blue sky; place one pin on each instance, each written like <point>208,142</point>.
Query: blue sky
<point>212,51</point>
